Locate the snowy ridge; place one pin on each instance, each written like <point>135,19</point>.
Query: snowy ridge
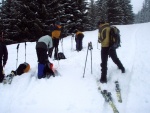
<point>70,92</point>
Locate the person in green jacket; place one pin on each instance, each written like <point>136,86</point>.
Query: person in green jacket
<point>104,39</point>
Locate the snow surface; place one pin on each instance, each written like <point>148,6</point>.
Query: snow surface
<point>70,92</point>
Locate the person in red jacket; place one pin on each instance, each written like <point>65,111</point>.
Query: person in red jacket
<point>3,58</point>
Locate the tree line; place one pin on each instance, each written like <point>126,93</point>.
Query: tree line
<point>26,20</point>
<point>144,14</point>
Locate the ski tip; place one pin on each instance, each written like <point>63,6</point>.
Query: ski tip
<point>99,88</point>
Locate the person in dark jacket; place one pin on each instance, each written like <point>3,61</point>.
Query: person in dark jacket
<point>56,33</point>
<point>3,59</point>
<point>43,46</point>
<point>104,39</point>
<point>78,38</point>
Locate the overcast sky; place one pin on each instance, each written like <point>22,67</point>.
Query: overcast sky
<point>137,5</point>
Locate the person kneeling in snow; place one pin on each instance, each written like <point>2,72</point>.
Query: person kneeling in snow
<point>43,46</point>
<point>23,68</point>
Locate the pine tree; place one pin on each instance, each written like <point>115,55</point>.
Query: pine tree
<point>81,15</point>
<point>115,11</point>
<point>92,15</point>
<point>143,15</point>
<point>26,20</point>
<point>128,15</point>
<point>102,10</point>
<point>7,20</point>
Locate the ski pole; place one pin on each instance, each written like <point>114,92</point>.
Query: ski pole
<point>97,46</point>
<point>72,41</point>
<point>62,45</point>
<point>25,51</point>
<point>90,48</point>
<point>57,55</point>
<point>17,55</point>
<point>86,60</point>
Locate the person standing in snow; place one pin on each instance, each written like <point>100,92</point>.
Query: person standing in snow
<point>43,46</point>
<point>56,33</point>
<point>78,38</point>
<point>3,58</point>
<point>104,39</point>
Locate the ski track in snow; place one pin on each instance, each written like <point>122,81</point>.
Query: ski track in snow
<point>130,70</point>
<point>70,92</point>
<point>121,77</point>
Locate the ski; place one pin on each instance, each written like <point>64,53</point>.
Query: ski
<point>5,80</point>
<point>108,98</point>
<point>49,75</point>
<point>118,92</point>
<point>56,73</point>
<point>8,79</point>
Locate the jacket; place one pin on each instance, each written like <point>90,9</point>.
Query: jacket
<point>104,34</point>
<point>45,42</point>
<point>3,53</point>
<point>56,31</point>
<point>79,35</point>
<point>78,32</point>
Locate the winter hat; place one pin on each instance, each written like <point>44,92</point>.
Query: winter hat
<point>100,22</point>
<point>57,23</point>
<point>76,30</point>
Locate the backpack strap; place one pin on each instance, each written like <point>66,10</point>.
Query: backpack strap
<point>102,35</point>
<point>114,37</point>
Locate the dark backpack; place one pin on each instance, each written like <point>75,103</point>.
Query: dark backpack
<point>114,37</point>
<point>61,56</point>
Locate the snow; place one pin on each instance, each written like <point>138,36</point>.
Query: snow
<point>70,92</point>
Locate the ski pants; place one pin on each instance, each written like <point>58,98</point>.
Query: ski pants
<point>42,55</point>
<point>1,73</point>
<point>55,46</point>
<point>105,52</point>
<point>78,40</point>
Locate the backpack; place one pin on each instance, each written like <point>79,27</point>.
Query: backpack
<point>22,68</point>
<point>61,56</point>
<point>114,37</point>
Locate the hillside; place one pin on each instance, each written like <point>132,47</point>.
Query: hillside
<point>70,92</point>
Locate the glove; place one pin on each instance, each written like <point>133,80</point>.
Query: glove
<point>99,41</point>
<point>4,63</point>
<point>51,66</point>
<point>50,50</point>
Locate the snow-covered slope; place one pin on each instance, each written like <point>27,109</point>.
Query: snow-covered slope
<point>70,92</point>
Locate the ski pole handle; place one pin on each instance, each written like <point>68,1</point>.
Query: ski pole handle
<point>90,47</point>
<point>25,51</point>
<point>18,46</point>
